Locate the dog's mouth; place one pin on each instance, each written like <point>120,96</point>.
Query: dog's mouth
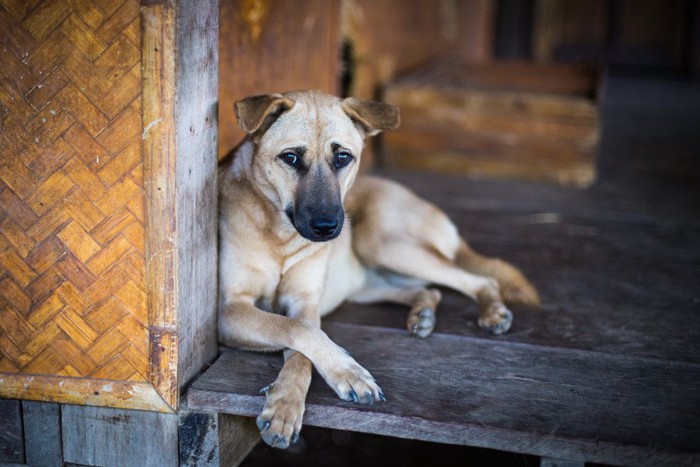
<point>290,214</point>
<point>316,228</point>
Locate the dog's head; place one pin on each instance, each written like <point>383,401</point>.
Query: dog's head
<point>306,153</point>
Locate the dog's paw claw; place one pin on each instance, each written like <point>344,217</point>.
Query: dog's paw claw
<point>263,425</point>
<point>382,397</point>
<point>272,437</point>
<point>266,389</point>
<point>275,440</point>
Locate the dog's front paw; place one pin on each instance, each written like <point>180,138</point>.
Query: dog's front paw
<point>496,319</point>
<point>280,419</point>
<point>351,381</point>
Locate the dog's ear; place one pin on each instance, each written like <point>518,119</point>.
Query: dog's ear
<point>257,113</point>
<point>372,116</point>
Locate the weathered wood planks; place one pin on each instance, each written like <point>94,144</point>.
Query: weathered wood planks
<point>271,46</point>
<point>616,271</point>
<point>502,119</point>
<point>562,403</point>
<point>11,439</point>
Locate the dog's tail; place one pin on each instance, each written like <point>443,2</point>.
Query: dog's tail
<point>515,288</point>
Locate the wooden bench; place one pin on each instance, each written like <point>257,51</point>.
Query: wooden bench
<point>604,372</point>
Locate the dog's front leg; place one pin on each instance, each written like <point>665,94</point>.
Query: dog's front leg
<point>280,419</point>
<point>241,324</point>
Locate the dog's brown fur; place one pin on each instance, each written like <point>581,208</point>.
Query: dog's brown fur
<point>288,256</point>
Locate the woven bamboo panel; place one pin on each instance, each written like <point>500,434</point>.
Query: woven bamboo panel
<point>72,259</point>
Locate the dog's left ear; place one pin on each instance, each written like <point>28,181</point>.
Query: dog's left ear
<point>372,116</point>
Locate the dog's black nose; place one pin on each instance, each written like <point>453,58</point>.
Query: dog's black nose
<point>324,227</point>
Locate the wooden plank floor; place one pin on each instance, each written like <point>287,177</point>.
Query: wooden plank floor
<point>541,400</point>
<point>607,371</point>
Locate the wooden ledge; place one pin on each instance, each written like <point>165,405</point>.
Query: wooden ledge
<point>553,402</point>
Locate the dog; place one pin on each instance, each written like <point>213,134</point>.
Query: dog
<point>300,233</point>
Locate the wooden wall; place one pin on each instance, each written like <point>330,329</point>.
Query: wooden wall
<point>273,46</point>
<point>107,201</point>
<point>268,46</point>
<point>72,241</point>
<point>391,37</point>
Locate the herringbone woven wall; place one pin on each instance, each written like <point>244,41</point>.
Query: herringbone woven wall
<point>72,294</point>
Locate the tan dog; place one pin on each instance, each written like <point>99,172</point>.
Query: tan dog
<point>288,255</point>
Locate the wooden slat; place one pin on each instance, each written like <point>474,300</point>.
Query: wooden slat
<point>516,397</point>
<point>11,439</point>
<point>90,391</point>
<point>179,134</point>
<point>213,440</point>
<point>501,119</point>
<point>197,136</point>
<point>42,433</point>
<point>103,436</point>
<point>160,165</point>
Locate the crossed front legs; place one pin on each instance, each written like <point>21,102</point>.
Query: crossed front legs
<point>305,344</point>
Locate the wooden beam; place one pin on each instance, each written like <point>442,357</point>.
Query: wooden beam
<point>102,436</point>
<point>211,439</point>
<point>11,440</point>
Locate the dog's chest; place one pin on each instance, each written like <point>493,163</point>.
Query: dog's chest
<point>291,271</point>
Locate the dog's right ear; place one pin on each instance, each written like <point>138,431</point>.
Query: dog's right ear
<point>255,114</point>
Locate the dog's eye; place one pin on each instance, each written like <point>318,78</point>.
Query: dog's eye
<point>290,159</point>
<point>342,159</point>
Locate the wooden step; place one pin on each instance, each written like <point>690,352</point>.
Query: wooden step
<point>501,119</point>
<point>553,402</point>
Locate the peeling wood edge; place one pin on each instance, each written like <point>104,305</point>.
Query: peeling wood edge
<point>158,51</point>
<point>85,391</point>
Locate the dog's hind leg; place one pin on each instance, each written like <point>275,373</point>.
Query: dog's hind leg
<point>281,416</point>
<point>515,288</point>
<point>408,259</point>
<point>423,302</point>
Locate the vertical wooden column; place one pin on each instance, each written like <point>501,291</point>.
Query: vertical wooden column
<point>180,87</point>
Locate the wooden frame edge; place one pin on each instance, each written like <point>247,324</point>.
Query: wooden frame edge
<point>158,57</point>
<point>83,391</point>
